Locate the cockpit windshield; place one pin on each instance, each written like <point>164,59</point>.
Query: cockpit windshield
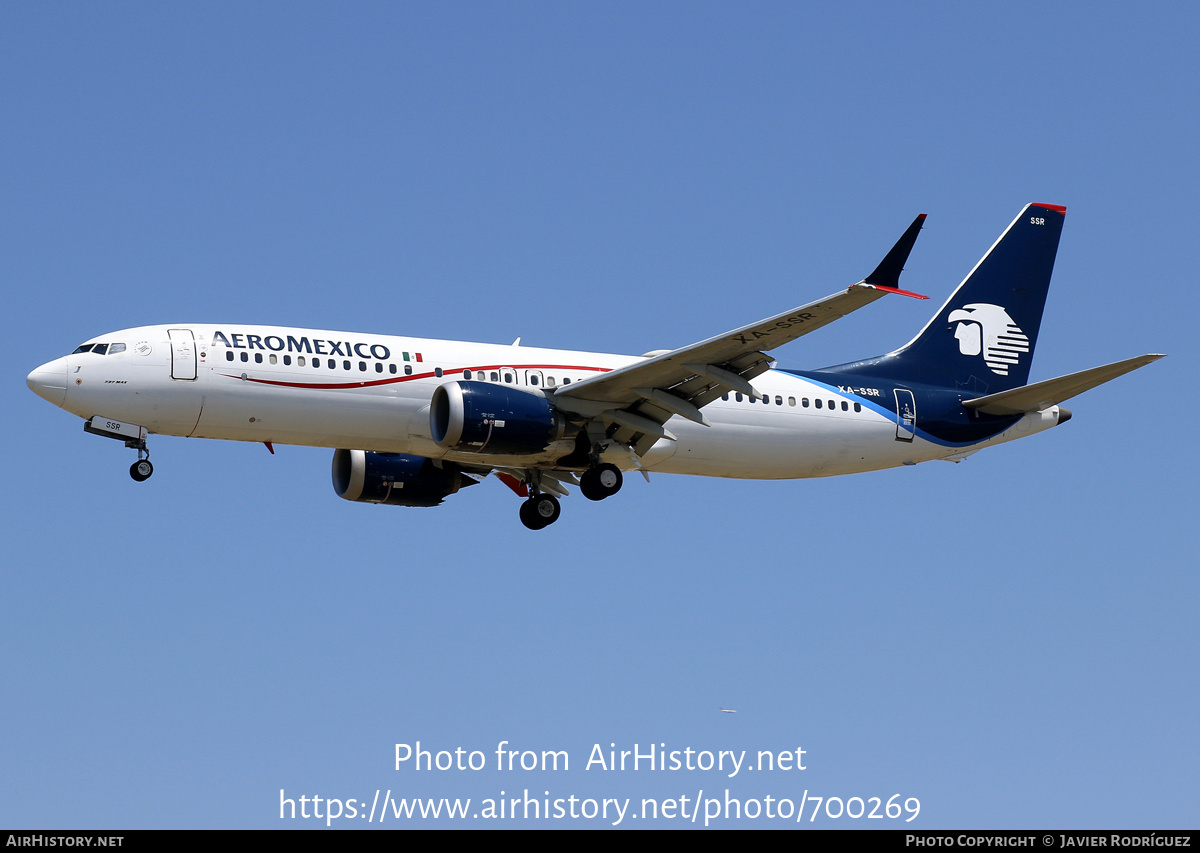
<point>100,349</point>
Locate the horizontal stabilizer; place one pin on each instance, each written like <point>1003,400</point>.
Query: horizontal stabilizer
<point>1043,395</point>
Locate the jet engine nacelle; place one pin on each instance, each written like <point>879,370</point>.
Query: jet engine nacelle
<point>395,478</point>
<point>486,418</point>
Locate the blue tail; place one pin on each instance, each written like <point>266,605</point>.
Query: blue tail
<point>982,339</point>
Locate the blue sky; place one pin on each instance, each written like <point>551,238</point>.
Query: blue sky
<point>1011,640</point>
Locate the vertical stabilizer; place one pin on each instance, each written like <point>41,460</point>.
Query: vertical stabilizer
<point>983,337</point>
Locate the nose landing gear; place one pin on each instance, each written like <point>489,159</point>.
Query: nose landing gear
<point>134,437</point>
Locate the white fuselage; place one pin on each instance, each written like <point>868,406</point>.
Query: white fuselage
<point>372,392</point>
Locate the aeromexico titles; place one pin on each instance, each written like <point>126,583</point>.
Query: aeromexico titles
<point>414,420</point>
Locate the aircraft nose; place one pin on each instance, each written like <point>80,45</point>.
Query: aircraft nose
<point>50,381</point>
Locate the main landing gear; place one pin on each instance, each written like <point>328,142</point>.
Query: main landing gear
<point>542,509</point>
<point>600,481</point>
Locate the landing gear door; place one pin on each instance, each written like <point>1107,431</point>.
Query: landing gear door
<point>183,354</point>
<point>906,411</point>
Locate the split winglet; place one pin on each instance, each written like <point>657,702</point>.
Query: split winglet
<point>886,276</point>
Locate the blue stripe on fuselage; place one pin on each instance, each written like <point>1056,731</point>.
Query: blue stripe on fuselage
<point>941,417</point>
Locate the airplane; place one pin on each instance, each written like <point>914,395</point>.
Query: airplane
<point>414,420</point>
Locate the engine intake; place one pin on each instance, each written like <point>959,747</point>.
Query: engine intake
<point>395,478</point>
<point>486,418</point>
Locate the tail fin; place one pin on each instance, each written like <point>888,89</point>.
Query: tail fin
<point>983,337</point>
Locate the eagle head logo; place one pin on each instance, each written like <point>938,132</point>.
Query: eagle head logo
<point>987,329</point>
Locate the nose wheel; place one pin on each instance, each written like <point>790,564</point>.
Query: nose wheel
<point>142,469</point>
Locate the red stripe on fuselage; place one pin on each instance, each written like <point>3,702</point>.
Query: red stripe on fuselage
<point>323,386</point>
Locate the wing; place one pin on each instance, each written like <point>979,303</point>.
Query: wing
<point>634,402</point>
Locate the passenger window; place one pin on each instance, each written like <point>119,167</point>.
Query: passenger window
<point>300,362</point>
<point>287,359</point>
<point>408,370</point>
<point>832,404</point>
<point>362,367</point>
<point>738,396</point>
<point>549,381</point>
<point>566,381</point>
<point>467,373</point>
<point>791,401</point>
<point>804,402</point>
<point>817,403</point>
<point>245,357</point>
<point>258,358</point>
<point>229,355</point>
<point>391,368</point>
<point>495,376</point>
<point>437,371</point>
<point>858,407</point>
<point>379,367</point>
<point>778,401</point>
<point>845,406</point>
<point>346,364</point>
